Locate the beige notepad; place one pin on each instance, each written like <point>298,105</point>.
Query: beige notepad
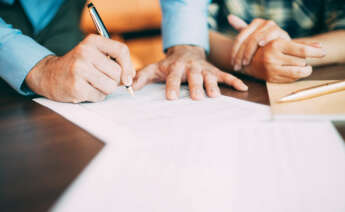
<point>330,106</point>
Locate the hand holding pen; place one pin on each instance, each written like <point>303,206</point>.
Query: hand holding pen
<point>128,71</point>
<point>89,72</point>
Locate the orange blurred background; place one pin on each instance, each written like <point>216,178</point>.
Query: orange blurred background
<point>134,22</point>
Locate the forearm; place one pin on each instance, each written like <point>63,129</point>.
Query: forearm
<point>18,55</point>
<point>185,23</point>
<point>220,50</point>
<point>332,43</point>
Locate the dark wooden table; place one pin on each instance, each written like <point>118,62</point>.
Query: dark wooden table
<point>41,152</point>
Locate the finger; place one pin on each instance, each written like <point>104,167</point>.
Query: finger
<point>108,66</point>
<point>145,76</point>
<point>310,43</point>
<point>119,52</point>
<point>251,44</point>
<point>271,33</point>
<point>89,93</point>
<point>287,60</point>
<point>93,95</point>
<point>99,80</point>
<point>243,36</point>
<point>211,85</point>
<point>301,50</point>
<point>173,81</point>
<point>237,22</point>
<point>232,81</point>
<point>294,72</point>
<point>259,38</point>
<point>195,83</point>
<point>238,58</point>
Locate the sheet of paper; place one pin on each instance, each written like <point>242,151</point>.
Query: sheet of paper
<point>213,155</point>
<point>262,166</point>
<point>326,107</point>
<point>148,112</point>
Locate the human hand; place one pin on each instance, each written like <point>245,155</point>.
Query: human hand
<point>257,34</point>
<point>187,64</point>
<point>283,61</point>
<point>86,73</point>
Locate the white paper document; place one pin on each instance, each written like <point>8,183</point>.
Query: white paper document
<point>261,167</point>
<point>149,113</point>
<point>218,154</point>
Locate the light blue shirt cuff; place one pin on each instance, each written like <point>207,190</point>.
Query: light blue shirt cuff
<point>185,24</point>
<point>18,55</point>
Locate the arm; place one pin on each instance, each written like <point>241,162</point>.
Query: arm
<point>221,46</point>
<point>332,43</point>
<point>279,60</point>
<point>333,40</point>
<point>185,23</point>
<point>220,50</point>
<point>15,62</point>
<point>83,74</point>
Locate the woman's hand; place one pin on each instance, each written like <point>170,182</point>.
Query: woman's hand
<point>257,34</point>
<point>283,61</point>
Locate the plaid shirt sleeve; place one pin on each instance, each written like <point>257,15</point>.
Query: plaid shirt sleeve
<point>335,14</point>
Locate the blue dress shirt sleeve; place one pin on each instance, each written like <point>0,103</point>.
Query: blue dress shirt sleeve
<point>18,55</point>
<point>185,23</point>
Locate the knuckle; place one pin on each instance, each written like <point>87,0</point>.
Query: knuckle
<point>275,44</point>
<point>76,68</point>
<point>258,20</point>
<point>83,50</point>
<point>177,64</point>
<point>303,51</point>
<point>270,22</point>
<point>91,38</point>
<point>210,77</point>
<point>123,49</point>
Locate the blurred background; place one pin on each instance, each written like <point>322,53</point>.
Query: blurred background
<point>134,22</point>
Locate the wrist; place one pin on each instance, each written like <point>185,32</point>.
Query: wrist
<point>36,77</point>
<point>187,48</point>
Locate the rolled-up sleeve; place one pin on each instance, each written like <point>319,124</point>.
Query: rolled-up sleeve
<point>185,23</point>
<point>18,55</point>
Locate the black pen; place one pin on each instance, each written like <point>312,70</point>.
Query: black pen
<point>102,31</point>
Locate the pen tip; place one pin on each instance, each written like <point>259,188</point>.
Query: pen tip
<point>130,90</point>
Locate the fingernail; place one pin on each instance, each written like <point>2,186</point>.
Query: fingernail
<point>245,62</point>
<point>129,80</point>
<point>215,92</point>
<point>198,94</point>
<point>237,67</point>
<point>243,87</point>
<point>172,95</point>
<point>262,43</point>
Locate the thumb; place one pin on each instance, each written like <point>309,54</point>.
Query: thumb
<point>237,22</point>
<point>146,76</point>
